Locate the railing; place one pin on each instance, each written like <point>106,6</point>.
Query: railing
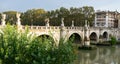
<point>101,28</point>
<point>50,27</point>
<point>41,27</point>
<point>59,27</point>
<point>74,27</point>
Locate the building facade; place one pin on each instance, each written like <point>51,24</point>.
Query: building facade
<point>106,19</point>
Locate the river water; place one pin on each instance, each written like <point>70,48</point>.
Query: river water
<point>101,55</point>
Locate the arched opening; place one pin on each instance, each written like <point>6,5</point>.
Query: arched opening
<point>46,38</point>
<point>105,35</point>
<point>93,37</point>
<point>77,38</point>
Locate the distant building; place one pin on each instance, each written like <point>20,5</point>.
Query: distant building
<point>106,19</point>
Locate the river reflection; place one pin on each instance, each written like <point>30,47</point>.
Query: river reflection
<point>102,55</point>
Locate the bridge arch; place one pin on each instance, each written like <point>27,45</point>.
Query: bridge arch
<point>48,37</point>
<point>105,35</point>
<point>93,37</point>
<point>77,38</point>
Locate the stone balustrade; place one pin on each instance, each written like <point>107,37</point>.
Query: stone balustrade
<point>50,27</point>
<point>75,27</point>
<point>41,27</point>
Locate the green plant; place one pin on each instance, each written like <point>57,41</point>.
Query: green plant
<point>13,45</point>
<point>18,47</point>
<point>113,41</point>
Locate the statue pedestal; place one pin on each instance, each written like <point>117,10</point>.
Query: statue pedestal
<point>87,43</point>
<point>3,19</point>
<point>62,32</point>
<point>47,25</point>
<point>62,25</point>
<point>3,23</point>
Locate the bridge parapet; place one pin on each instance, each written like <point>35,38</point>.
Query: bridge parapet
<point>96,28</point>
<point>41,27</point>
<point>50,27</point>
<point>74,27</point>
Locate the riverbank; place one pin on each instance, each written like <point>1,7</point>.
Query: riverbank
<point>107,43</point>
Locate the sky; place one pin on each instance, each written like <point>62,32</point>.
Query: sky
<point>24,5</point>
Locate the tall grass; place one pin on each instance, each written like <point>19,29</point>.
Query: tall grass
<point>20,48</point>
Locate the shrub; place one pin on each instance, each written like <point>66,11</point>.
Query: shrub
<point>20,48</point>
<point>113,41</point>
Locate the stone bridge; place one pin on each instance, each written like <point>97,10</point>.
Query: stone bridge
<point>83,35</point>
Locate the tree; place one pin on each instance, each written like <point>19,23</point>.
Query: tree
<point>38,16</point>
<point>113,41</point>
<point>88,14</point>
<point>34,17</point>
<point>11,17</point>
<point>0,18</point>
<point>76,14</point>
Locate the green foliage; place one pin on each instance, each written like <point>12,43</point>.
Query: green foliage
<point>33,17</point>
<point>11,17</point>
<point>113,41</point>
<point>38,16</point>
<point>76,14</point>
<point>0,17</point>
<point>22,48</point>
